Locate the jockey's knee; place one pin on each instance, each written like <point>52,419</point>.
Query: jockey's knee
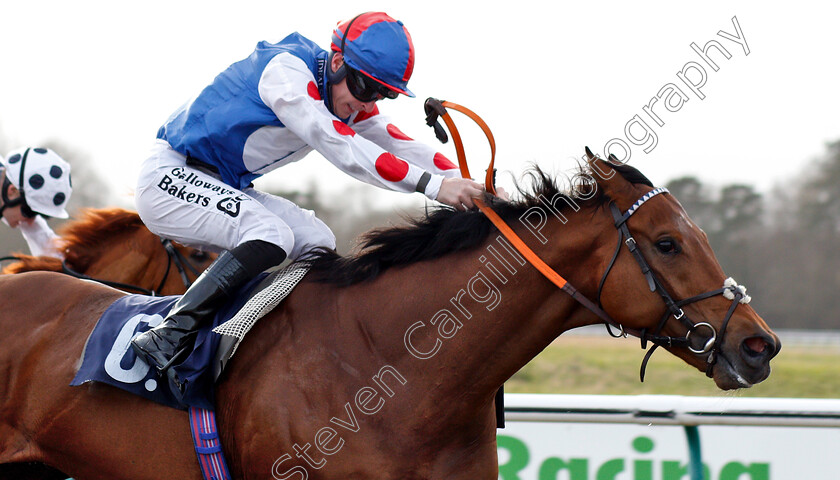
<point>275,233</point>
<point>312,238</point>
<point>322,236</point>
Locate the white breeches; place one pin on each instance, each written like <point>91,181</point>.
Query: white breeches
<point>196,209</point>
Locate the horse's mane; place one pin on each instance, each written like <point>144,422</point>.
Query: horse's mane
<point>29,263</point>
<point>83,238</point>
<point>443,230</point>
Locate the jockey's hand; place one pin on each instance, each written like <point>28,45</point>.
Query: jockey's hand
<point>501,193</point>
<point>459,193</point>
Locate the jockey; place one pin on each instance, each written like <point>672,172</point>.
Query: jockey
<point>35,185</point>
<point>262,113</point>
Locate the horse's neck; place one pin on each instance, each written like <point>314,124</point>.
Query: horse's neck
<point>134,258</point>
<point>432,340</point>
<point>478,317</point>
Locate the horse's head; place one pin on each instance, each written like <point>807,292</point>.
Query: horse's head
<point>685,303</point>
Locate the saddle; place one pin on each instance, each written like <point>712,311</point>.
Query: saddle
<point>108,357</point>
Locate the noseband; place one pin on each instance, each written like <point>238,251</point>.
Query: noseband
<point>730,290</point>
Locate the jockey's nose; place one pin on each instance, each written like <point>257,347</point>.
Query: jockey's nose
<point>368,106</point>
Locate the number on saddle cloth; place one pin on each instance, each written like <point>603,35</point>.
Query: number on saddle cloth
<point>109,359</point>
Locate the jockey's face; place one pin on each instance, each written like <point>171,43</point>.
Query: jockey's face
<point>13,215</point>
<point>344,103</point>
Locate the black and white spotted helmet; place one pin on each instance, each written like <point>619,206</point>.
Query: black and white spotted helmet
<point>43,177</point>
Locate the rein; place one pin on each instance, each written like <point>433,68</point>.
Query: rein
<point>182,264</point>
<point>438,109</point>
<point>172,256</point>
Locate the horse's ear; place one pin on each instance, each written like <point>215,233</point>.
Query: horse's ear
<point>605,176</point>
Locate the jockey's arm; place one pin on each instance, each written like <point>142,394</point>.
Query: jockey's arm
<point>41,239</point>
<point>285,88</point>
<point>454,190</point>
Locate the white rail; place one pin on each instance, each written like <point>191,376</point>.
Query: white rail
<point>672,410</point>
<point>789,337</point>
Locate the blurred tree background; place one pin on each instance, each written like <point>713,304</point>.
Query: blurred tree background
<point>782,245</point>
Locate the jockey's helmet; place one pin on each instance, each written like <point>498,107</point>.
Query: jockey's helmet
<point>43,179</point>
<point>378,47</point>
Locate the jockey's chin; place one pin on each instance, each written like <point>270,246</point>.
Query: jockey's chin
<point>345,104</point>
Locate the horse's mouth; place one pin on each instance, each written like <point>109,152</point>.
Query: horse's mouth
<point>729,376</point>
<point>726,376</point>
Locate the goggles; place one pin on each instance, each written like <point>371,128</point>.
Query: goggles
<point>366,89</point>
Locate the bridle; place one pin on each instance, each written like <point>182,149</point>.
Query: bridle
<point>182,264</point>
<point>731,290</point>
<point>713,344</point>
<point>173,256</point>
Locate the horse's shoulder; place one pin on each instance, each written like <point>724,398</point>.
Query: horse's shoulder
<point>39,286</point>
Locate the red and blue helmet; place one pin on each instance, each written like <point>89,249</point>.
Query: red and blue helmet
<point>378,46</point>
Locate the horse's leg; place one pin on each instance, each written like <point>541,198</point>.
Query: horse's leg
<point>29,471</point>
<point>93,431</point>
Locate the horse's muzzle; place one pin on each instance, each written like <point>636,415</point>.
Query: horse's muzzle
<point>748,363</point>
<point>757,351</point>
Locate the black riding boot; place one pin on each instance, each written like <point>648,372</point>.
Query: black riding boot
<point>171,342</point>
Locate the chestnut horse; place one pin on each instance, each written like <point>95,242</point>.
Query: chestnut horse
<point>114,246</point>
<point>386,364</point>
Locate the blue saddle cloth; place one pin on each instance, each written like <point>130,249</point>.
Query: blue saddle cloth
<point>108,357</point>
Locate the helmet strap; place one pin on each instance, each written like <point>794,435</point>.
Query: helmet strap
<point>347,30</point>
<point>332,79</point>
<point>22,168</point>
<point>8,203</point>
<point>21,199</point>
<point>338,75</point>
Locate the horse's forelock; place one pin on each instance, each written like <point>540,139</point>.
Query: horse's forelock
<point>631,174</point>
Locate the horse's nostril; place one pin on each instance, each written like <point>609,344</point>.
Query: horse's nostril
<point>756,345</point>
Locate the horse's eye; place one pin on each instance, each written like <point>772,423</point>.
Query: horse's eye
<point>199,256</point>
<point>668,246</point>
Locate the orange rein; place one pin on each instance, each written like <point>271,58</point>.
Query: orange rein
<point>436,108</point>
<point>503,227</point>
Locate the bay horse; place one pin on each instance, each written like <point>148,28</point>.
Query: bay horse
<point>114,246</point>
<point>384,364</point>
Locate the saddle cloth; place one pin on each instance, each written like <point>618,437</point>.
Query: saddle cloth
<point>109,358</point>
